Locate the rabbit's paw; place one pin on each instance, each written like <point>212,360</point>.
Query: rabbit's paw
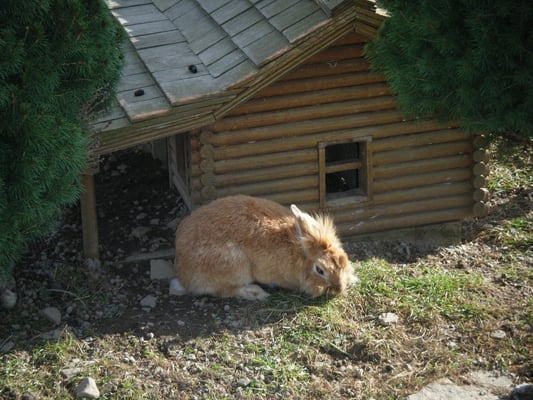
<point>175,288</point>
<point>252,292</point>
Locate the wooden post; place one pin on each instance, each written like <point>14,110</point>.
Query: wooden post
<point>88,216</point>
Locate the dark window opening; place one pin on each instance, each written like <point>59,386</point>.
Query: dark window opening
<point>344,172</point>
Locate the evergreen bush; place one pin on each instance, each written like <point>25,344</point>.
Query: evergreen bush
<point>56,58</point>
<point>464,60</point>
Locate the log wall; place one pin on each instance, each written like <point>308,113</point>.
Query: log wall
<point>422,172</point>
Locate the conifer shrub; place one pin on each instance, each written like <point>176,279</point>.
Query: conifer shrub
<point>57,58</point>
<point>464,60</point>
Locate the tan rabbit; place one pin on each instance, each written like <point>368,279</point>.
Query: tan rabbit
<point>226,247</point>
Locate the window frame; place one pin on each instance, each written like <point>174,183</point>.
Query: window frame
<point>364,165</point>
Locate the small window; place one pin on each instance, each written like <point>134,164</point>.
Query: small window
<point>344,169</point>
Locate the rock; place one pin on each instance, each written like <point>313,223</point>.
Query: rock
<point>7,347</point>
<point>243,382</point>
<point>149,301</point>
<point>51,335</point>
<point>387,319</point>
<point>522,392</point>
<point>498,334</point>
<point>8,299</point>
<point>483,386</point>
<point>69,373</point>
<point>52,314</point>
<point>87,389</point>
<point>140,231</point>
<point>161,269</point>
<point>173,224</point>
<point>29,396</point>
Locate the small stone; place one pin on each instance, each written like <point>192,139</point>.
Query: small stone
<point>141,215</point>
<point>69,373</point>
<point>87,389</point>
<point>7,347</point>
<point>243,382</point>
<point>161,269</point>
<point>8,299</point>
<point>498,334</point>
<point>522,392</point>
<point>149,301</point>
<point>173,224</point>
<point>54,334</point>
<point>52,314</point>
<point>140,231</point>
<point>109,387</point>
<point>387,319</point>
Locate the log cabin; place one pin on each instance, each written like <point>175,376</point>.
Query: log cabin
<point>274,98</point>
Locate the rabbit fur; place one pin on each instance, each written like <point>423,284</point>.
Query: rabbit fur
<point>229,245</point>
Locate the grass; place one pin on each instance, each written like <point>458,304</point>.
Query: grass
<point>300,348</point>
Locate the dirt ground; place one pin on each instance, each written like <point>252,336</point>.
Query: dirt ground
<point>138,213</point>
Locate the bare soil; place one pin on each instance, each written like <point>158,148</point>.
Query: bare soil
<point>175,349</point>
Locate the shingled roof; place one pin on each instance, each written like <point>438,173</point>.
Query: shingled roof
<point>188,62</point>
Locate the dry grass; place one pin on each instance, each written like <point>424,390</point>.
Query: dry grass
<point>449,303</point>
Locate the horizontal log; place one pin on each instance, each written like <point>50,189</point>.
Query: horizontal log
<point>336,53</point>
<point>409,181</point>
<point>306,127</point>
<point>311,140</point>
<point>328,82</point>
<point>481,194</point>
<point>274,70</point>
<point>479,182</point>
<point>404,221</point>
<point>370,212</point>
<point>480,156</point>
<point>195,170</point>
<point>480,168</point>
<point>326,110</point>
<point>427,165</point>
<point>424,192</point>
<point>305,199</point>
<point>265,160</point>
<point>480,209</point>
<point>265,174</point>
<point>419,139</point>
<point>150,130</point>
<point>283,102</point>
<point>351,38</point>
<point>195,158</point>
<point>330,67</point>
<point>422,152</point>
<point>281,185</point>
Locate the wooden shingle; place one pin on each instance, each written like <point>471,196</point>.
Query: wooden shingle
<point>192,57</point>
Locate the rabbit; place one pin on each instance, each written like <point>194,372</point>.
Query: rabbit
<point>231,246</point>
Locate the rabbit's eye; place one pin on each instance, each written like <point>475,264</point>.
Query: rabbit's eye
<point>319,270</point>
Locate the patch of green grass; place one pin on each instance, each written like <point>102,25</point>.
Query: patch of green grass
<point>37,371</point>
<point>421,293</point>
<point>517,233</point>
<point>511,167</point>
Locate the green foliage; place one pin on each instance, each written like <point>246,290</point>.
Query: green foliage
<point>57,59</point>
<point>464,60</point>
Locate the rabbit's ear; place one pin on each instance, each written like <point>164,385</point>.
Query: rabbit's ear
<point>305,225</point>
<point>305,222</point>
